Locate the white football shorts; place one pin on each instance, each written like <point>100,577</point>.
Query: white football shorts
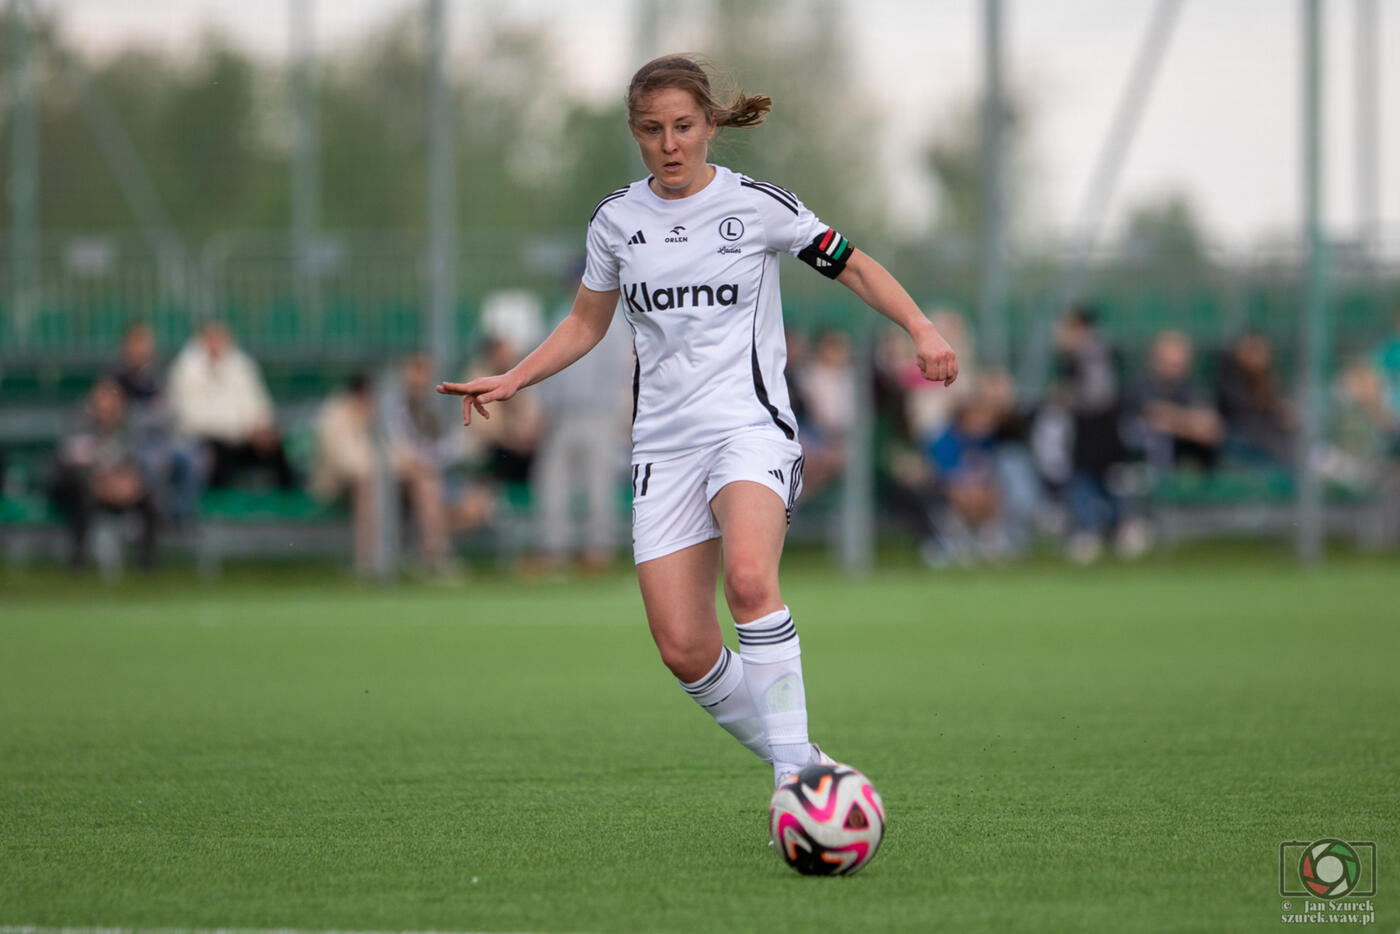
<point>671,497</point>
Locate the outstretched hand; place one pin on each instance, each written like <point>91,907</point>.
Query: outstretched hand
<point>937,361</point>
<point>476,393</point>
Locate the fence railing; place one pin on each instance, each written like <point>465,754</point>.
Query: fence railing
<point>362,295</point>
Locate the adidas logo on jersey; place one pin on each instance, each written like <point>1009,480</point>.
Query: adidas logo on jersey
<point>638,237</point>
<point>642,299</point>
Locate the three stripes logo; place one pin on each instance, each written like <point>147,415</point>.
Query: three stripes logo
<point>827,253</point>
<point>641,479</point>
<point>638,237</point>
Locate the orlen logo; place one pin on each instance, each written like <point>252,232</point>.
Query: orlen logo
<point>642,299</point>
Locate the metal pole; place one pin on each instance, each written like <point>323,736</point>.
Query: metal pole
<point>385,487</point>
<point>993,259</point>
<point>129,171</point>
<point>1368,199</point>
<point>1312,319</point>
<point>442,195</point>
<point>306,182</point>
<point>1108,168</point>
<point>24,175</point>
<point>856,530</point>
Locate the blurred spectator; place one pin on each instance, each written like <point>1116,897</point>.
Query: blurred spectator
<point>1364,429</point>
<point>1259,420</point>
<point>930,405</point>
<point>421,450</point>
<point>910,414</point>
<point>1024,503</point>
<point>893,353</point>
<point>1091,390</point>
<point>965,456</point>
<point>1386,362</point>
<point>824,386</point>
<point>1175,427</point>
<point>344,462</point>
<point>220,400</point>
<point>98,472</point>
<point>987,479</point>
<point>167,463</point>
<point>586,413</point>
<point>512,434</point>
<point>136,370</point>
<point>828,386</point>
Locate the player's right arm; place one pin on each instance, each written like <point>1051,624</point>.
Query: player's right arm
<point>576,335</point>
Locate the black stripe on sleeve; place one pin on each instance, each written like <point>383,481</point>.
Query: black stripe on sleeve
<point>612,197</point>
<point>778,190</point>
<point>772,194</point>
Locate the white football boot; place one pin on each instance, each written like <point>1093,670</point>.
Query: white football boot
<point>818,758</point>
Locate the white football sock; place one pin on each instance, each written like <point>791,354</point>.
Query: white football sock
<point>725,695</point>
<point>773,672</point>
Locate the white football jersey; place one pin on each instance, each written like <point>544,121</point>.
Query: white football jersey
<point>699,284</point>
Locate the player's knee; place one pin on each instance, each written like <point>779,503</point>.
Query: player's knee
<point>687,661</point>
<point>751,588</point>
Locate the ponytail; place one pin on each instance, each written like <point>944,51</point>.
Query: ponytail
<point>747,110</point>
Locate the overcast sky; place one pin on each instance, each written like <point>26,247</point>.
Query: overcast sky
<point>1223,123</point>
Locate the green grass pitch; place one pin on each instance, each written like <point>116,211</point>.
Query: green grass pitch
<point>1118,749</point>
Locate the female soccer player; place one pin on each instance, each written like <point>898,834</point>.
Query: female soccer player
<point>692,251</point>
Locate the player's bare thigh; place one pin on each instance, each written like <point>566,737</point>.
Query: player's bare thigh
<point>753,523</point>
<point>678,592</point>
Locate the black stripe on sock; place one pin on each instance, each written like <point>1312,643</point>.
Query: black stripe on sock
<point>713,678</point>
<point>768,637</point>
<point>776,640</point>
<point>765,628</point>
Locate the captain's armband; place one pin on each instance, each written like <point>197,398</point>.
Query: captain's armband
<point>827,253</point>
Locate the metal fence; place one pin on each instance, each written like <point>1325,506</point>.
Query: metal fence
<point>363,295</point>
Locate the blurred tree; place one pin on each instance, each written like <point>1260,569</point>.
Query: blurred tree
<point>210,151</point>
<point>513,110</point>
<point>954,160</point>
<point>194,126</point>
<point>213,129</point>
<point>795,52</point>
<point>602,157</point>
<point>373,125</point>
<point>1166,232</point>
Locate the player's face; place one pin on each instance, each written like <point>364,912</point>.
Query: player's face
<point>673,134</point>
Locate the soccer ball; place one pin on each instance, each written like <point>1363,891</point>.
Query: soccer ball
<point>827,820</point>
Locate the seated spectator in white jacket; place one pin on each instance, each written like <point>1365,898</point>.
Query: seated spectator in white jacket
<point>345,463</point>
<point>220,400</point>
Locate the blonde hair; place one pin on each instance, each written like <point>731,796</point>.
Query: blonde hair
<point>686,74</point>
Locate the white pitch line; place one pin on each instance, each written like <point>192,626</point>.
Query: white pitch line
<point>30,929</point>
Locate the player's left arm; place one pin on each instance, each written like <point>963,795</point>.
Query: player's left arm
<point>881,291</point>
